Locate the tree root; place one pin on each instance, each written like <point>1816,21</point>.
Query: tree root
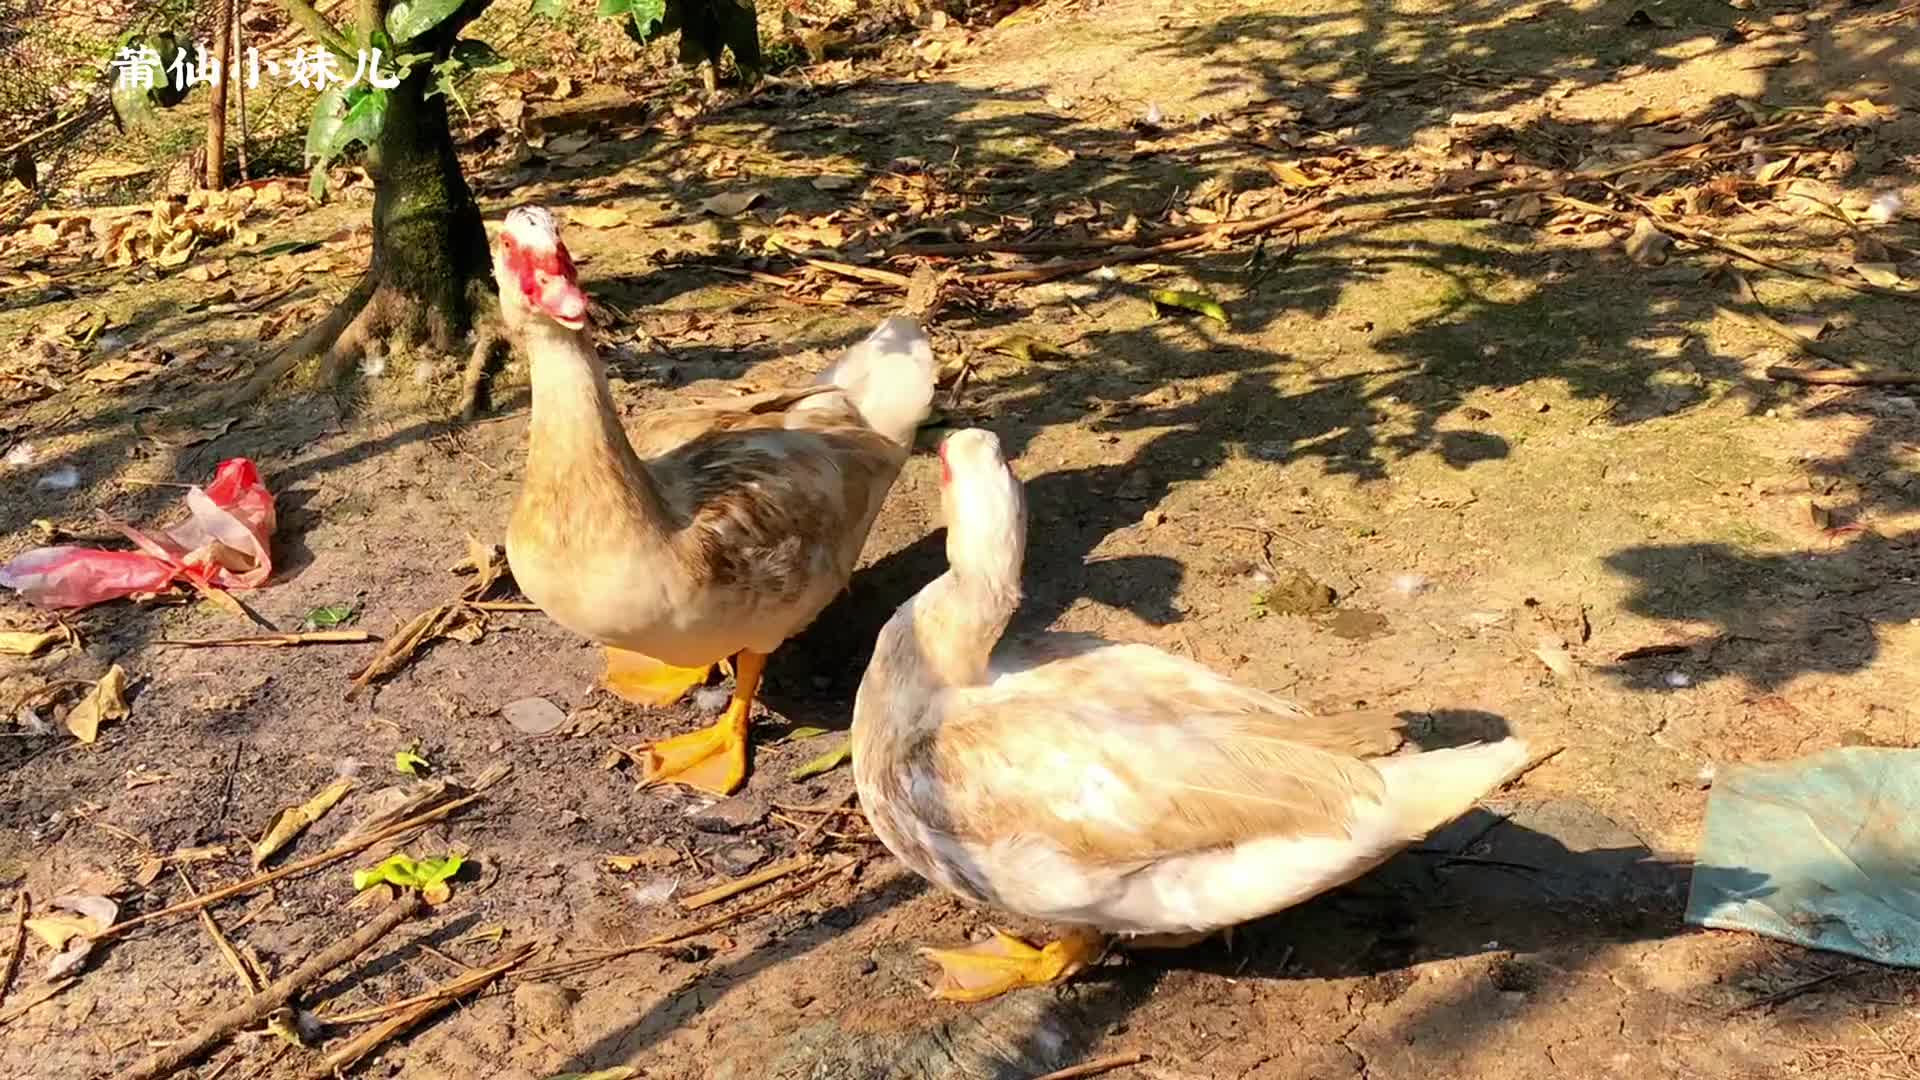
<point>377,317</point>
<point>491,347</point>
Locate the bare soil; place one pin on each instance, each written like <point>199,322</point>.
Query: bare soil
<point>1497,445</point>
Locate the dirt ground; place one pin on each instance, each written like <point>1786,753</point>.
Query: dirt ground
<point>1513,454</point>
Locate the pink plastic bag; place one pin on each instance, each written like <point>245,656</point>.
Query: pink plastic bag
<point>225,544</point>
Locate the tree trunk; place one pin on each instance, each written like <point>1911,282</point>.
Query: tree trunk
<point>217,105</point>
<point>428,243</point>
<point>431,278</point>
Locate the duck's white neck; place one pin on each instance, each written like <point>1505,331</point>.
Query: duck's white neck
<point>958,618</point>
<point>575,438</point>
<point>956,621</point>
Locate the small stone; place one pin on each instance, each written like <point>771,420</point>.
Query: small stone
<point>868,966</point>
<point>545,1007</point>
<point>1542,406</point>
<point>739,858</point>
<point>1154,518</point>
<point>1476,413</point>
<point>730,815</point>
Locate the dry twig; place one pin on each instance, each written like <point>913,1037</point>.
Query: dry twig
<point>408,1013</point>
<point>275,641</point>
<point>1096,1067</point>
<point>751,881</point>
<point>1779,373</point>
<point>673,937</point>
<point>20,904</point>
<point>256,1008</point>
<point>332,855</point>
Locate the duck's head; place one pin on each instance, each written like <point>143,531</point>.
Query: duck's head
<point>984,505</point>
<point>535,274</point>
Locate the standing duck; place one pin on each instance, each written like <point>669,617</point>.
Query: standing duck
<point>1108,788</point>
<point>701,534</point>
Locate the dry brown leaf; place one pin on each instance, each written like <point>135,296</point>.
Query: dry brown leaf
<point>486,562</point>
<point>1292,176</point>
<point>57,930</point>
<point>292,820</point>
<point>1883,274</point>
<point>28,643</point>
<point>1524,210</point>
<point>107,700</point>
<point>730,204</point>
<point>1647,245</point>
<point>455,619</point>
<point>597,217</point>
<point>1555,658</point>
<point>1773,170</point>
<point>206,271</point>
<point>120,370</point>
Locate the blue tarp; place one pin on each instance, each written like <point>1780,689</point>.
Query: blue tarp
<point>1823,852</point>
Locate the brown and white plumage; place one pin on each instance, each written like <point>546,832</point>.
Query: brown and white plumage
<point>1113,787</point>
<point>704,532</point>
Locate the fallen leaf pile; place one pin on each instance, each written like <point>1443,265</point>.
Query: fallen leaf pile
<point>165,233</point>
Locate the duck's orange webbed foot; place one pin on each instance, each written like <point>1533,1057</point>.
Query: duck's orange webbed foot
<point>643,680</point>
<point>989,968</point>
<point>713,758</point>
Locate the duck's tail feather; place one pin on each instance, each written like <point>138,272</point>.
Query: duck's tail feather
<point>890,376</point>
<point>1430,789</point>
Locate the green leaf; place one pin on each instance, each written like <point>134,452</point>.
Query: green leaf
<point>323,124</point>
<point>365,118</point>
<point>317,183</point>
<point>330,616</point>
<point>1198,303</point>
<point>826,762</point>
<point>404,871</point>
<point>286,247</point>
<point>548,9</point>
<point>1027,349</point>
<point>409,762</point>
<point>804,733</point>
<point>643,20</point>
<point>408,19</point>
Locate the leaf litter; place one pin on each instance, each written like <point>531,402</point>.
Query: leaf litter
<point>291,821</point>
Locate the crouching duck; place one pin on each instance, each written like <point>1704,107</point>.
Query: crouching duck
<point>1111,789</point>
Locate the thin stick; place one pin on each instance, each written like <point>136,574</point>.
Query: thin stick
<point>1843,378</point>
<point>591,960</point>
<point>453,988</point>
<point>256,1008</point>
<point>220,942</point>
<point>428,1004</point>
<point>274,641</point>
<point>1096,1067</point>
<point>322,859</point>
<point>20,903</point>
<point>751,881</point>
<point>217,103</point>
<point>1035,274</point>
<point>861,273</point>
<point>239,89</point>
<point>1707,239</point>
<point>503,605</point>
<point>1760,320</point>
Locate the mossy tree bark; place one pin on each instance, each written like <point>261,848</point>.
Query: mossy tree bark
<point>430,280</point>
